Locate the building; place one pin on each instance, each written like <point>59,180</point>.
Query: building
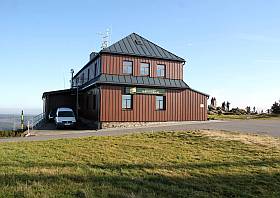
<point>133,80</point>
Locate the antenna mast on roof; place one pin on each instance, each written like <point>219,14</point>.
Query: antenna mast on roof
<point>105,38</point>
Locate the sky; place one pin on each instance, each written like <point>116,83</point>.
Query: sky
<point>232,48</point>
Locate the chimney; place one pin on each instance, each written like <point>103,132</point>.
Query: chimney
<point>92,55</point>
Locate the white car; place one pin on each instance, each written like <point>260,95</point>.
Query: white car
<point>65,117</point>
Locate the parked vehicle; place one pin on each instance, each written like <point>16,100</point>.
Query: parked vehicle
<point>65,117</point>
<point>52,115</point>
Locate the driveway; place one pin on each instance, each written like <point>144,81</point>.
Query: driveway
<point>267,127</point>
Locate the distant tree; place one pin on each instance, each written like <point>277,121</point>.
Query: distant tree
<point>212,101</point>
<point>276,108</point>
<point>254,109</point>
<point>215,102</point>
<point>248,109</point>
<point>228,105</point>
<point>224,106</point>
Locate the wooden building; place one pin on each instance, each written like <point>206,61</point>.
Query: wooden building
<point>133,80</point>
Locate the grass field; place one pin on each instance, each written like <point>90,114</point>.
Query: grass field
<point>174,164</point>
<point>243,117</point>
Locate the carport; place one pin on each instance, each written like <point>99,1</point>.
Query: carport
<point>61,98</point>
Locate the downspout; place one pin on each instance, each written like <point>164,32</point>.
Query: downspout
<point>99,125</point>
<point>99,109</point>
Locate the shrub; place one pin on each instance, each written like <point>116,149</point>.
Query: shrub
<point>11,133</point>
<point>237,111</point>
<point>276,108</point>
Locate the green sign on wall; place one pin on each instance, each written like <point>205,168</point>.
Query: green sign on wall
<point>137,90</point>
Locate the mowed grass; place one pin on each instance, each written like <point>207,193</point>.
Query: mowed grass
<point>164,164</point>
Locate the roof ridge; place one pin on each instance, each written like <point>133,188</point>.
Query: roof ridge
<point>115,42</point>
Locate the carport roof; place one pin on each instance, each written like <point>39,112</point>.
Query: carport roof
<point>56,92</point>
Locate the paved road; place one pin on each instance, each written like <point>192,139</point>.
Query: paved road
<point>269,127</point>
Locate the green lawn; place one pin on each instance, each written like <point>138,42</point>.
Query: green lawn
<point>174,164</point>
<point>243,117</point>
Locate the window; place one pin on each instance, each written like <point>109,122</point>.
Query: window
<point>126,101</point>
<point>127,67</point>
<point>145,69</point>
<point>88,73</point>
<point>160,102</point>
<point>65,114</point>
<point>83,78</point>
<point>160,70</point>
<point>95,69</point>
<point>93,102</point>
<point>138,42</point>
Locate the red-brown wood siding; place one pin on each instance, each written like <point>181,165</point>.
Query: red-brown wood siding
<point>181,105</point>
<point>113,64</point>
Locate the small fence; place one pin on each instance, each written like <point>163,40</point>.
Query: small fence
<point>36,121</point>
<point>13,122</point>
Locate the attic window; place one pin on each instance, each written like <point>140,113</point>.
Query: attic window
<point>138,42</point>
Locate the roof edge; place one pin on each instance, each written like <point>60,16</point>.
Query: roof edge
<point>152,57</point>
<point>55,92</point>
<point>89,62</point>
<point>140,85</point>
<point>199,92</point>
<point>97,80</point>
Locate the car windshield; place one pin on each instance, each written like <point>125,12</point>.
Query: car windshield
<point>65,114</point>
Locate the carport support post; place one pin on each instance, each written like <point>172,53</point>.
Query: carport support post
<point>77,102</point>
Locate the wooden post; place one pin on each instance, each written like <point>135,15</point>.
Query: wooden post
<point>22,120</point>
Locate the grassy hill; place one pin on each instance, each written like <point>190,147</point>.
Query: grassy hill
<point>245,117</point>
<point>174,164</point>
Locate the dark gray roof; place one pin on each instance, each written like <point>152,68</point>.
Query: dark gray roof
<point>93,55</point>
<point>136,45</point>
<point>130,81</point>
<point>56,92</point>
<point>136,81</point>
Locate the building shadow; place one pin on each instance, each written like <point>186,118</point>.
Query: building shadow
<point>50,125</point>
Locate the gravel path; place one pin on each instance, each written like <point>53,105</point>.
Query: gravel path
<point>268,127</point>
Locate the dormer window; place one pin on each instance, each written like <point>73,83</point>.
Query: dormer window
<point>138,42</point>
